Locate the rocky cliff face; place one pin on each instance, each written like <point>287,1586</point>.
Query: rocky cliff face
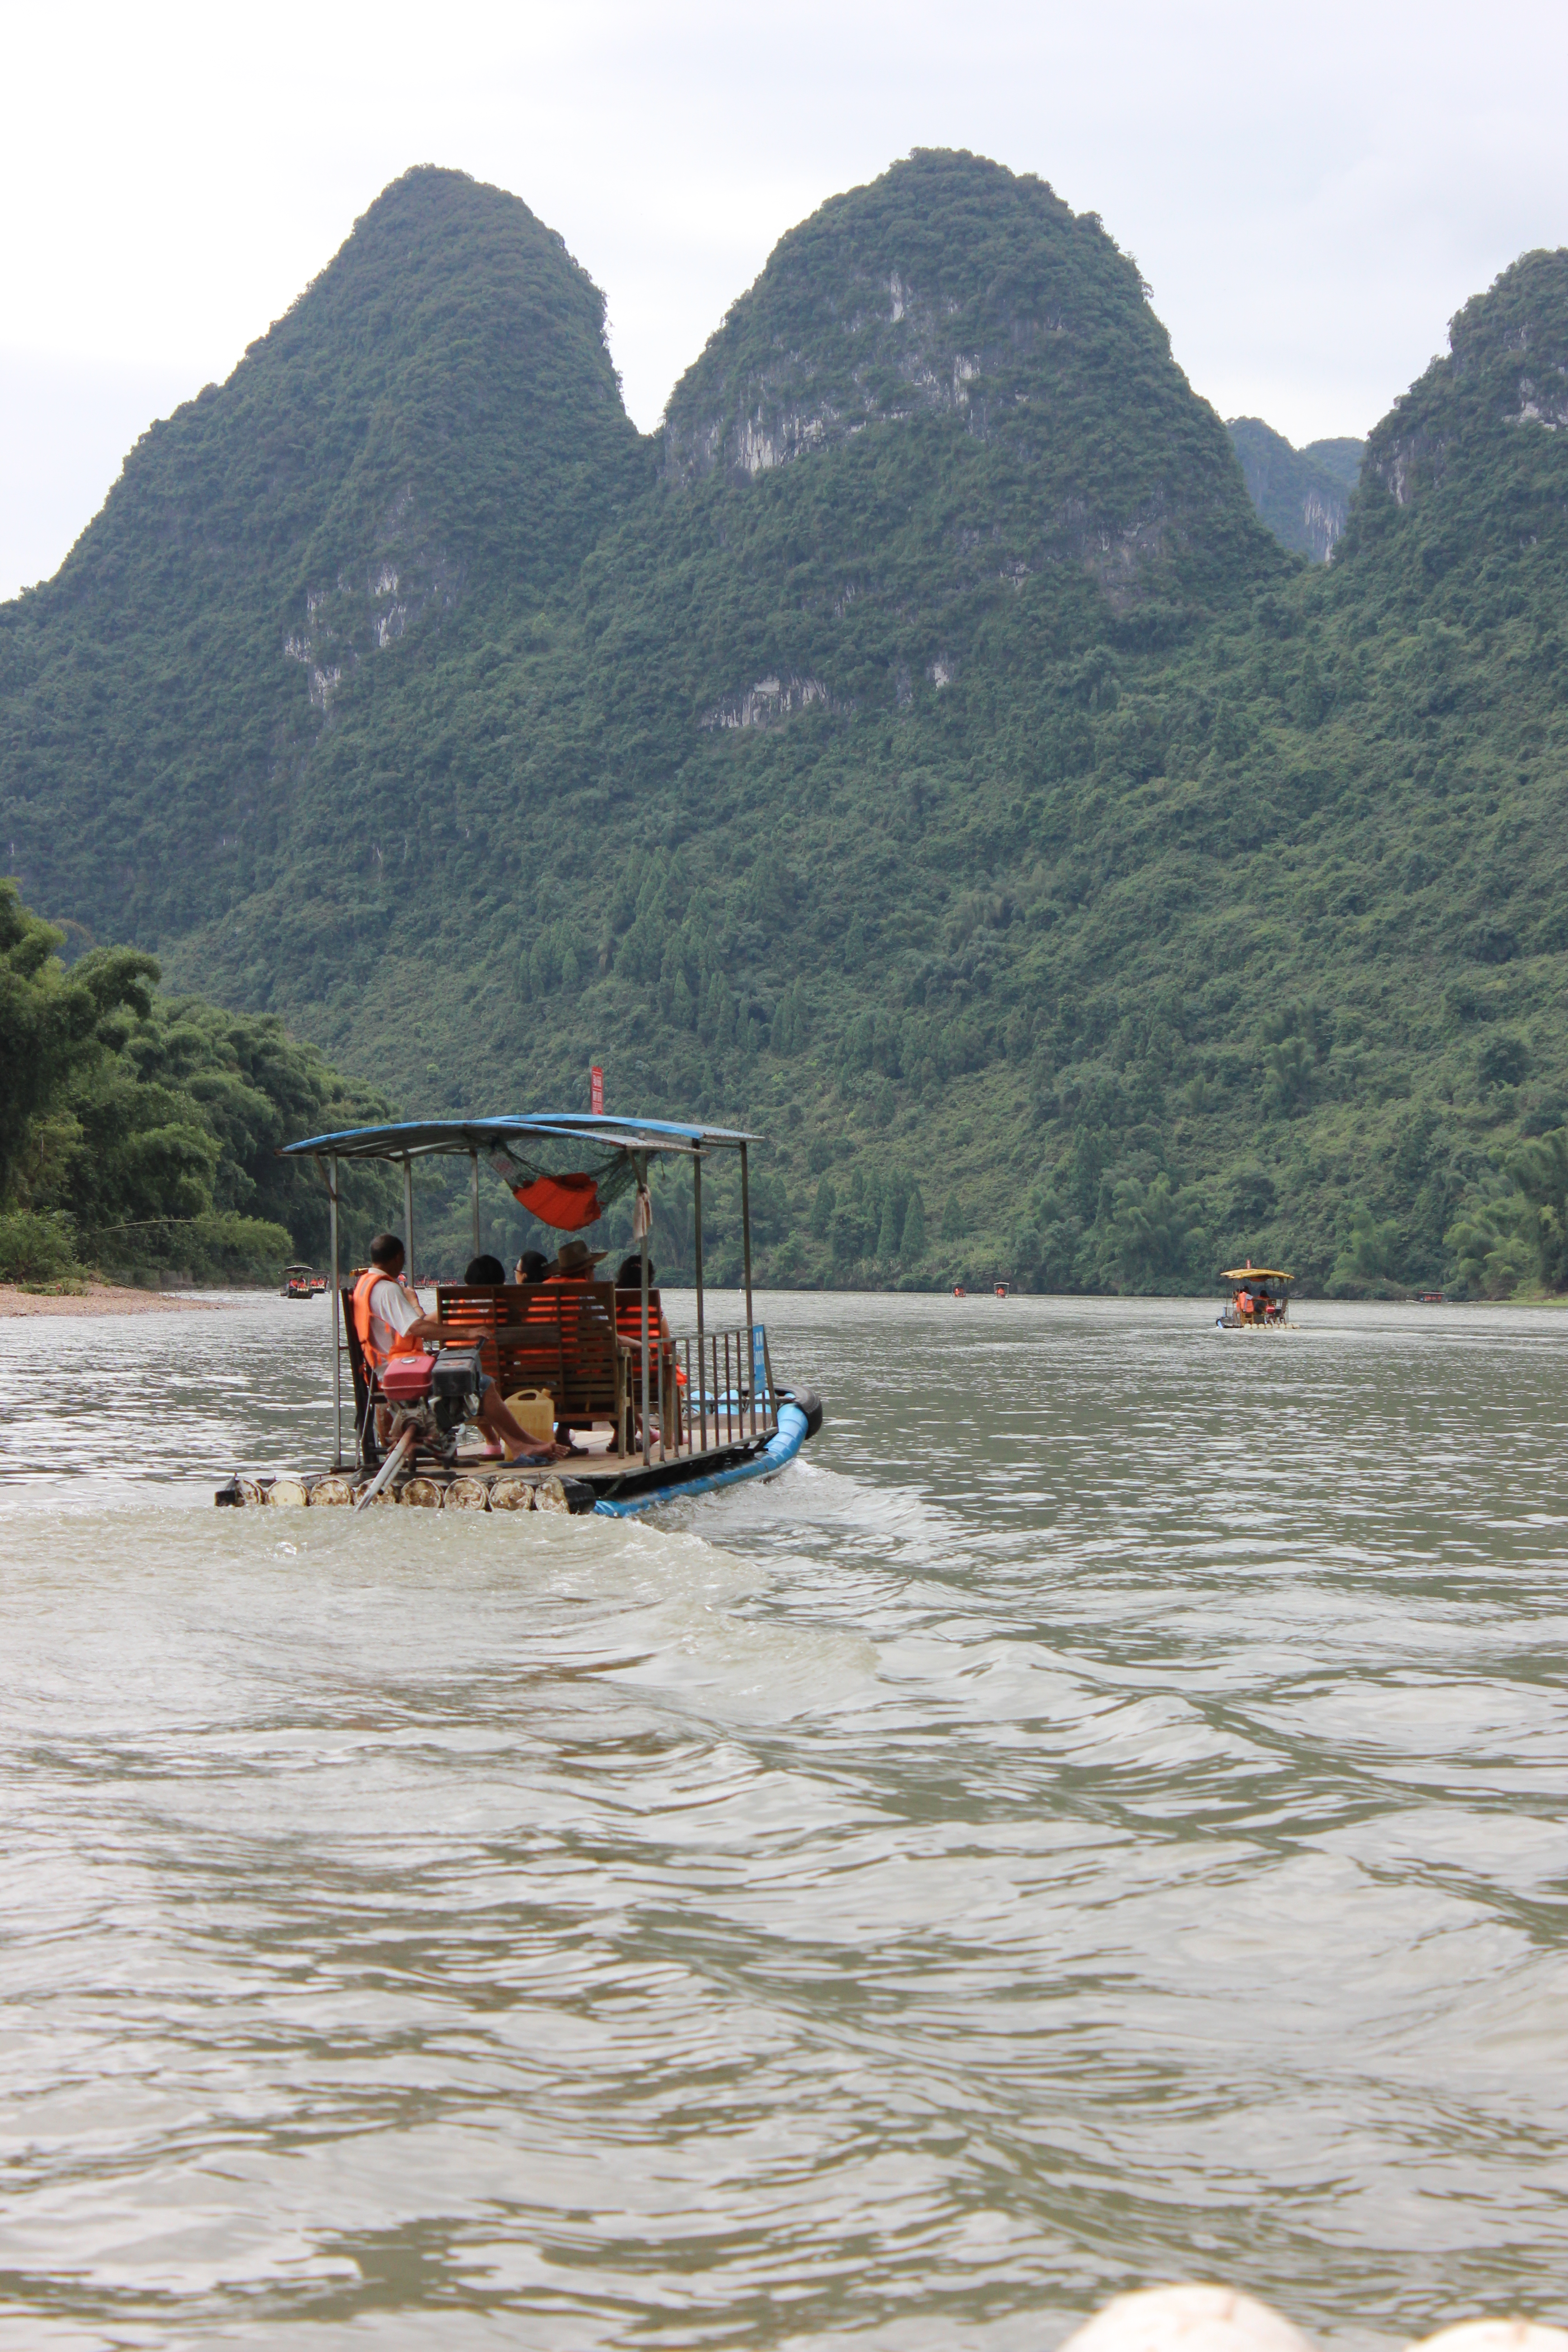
<point>1303,494</point>
<point>954,295</point>
<point>409,580</point>
<point>895,349</point>
<point>1506,372</point>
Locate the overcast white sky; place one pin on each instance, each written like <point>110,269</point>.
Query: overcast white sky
<point>1311,193</point>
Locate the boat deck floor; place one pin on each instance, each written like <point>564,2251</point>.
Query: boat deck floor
<point>600,1466</point>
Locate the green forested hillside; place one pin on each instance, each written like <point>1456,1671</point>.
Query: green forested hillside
<point>920,749</point>
<point>434,423</point>
<point>1303,494</point>
<point>137,1132</point>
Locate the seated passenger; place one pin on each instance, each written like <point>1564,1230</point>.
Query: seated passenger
<point>573,1262</point>
<point>532,1267</point>
<point>484,1274</point>
<point>390,1323</point>
<point>629,1277</point>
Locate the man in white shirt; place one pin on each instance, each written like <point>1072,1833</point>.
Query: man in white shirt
<point>391,1312</point>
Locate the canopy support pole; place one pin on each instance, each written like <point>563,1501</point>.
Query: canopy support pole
<point>408,1218</point>
<point>337,1318</point>
<point>474,1196</point>
<point>746,1242</point>
<point>641,1165</point>
<point>697,1254</point>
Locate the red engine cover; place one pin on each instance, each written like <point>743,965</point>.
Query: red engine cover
<point>406,1378</point>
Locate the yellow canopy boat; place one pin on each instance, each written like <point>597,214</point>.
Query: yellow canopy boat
<point>1257,1301</point>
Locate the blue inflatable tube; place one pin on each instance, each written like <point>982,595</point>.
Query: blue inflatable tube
<point>780,1449</point>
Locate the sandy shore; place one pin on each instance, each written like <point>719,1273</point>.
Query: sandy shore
<point>104,1298</point>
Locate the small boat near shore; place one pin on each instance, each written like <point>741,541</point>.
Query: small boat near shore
<point>649,1416</point>
<point>301,1282</point>
<point>1257,1301</point>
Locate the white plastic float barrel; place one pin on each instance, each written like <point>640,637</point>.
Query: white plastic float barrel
<point>1194,2317</point>
<point>1187,2318</point>
<point>1496,2336</point>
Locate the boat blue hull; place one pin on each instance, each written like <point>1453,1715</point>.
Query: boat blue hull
<point>780,1450</point>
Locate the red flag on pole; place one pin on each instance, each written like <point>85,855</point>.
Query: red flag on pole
<point>595,1088</point>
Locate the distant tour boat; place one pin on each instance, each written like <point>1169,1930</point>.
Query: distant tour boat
<point>298,1282</point>
<point>1003,1289</point>
<point>959,1291</point>
<point>1256,1301</point>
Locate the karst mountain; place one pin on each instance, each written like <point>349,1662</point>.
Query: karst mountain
<point>919,747</point>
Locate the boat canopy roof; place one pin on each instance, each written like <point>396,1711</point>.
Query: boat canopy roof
<point>1256,1274</point>
<point>419,1138</point>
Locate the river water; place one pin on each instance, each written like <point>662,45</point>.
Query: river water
<point>1098,1817</point>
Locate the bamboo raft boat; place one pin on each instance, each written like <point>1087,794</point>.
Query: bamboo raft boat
<point>656,1416</point>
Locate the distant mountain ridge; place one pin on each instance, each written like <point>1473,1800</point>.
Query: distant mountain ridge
<point>436,411</point>
<point>1303,494</point>
<point>920,748</point>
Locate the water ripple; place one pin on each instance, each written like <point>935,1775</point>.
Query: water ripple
<point>1098,1817</point>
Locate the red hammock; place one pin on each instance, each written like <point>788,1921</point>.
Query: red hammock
<point>567,1203</point>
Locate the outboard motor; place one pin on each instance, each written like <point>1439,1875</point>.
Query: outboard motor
<point>435,1394</point>
<point>456,1387</point>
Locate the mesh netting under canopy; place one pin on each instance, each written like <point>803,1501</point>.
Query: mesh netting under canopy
<point>551,1183</point>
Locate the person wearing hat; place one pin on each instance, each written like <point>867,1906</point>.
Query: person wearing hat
<point>572,1266</point>
<point>573,1260</point>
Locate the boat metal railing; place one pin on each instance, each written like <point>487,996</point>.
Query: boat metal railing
<point>711,1391</point>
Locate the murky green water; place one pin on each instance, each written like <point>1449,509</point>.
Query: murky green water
<point>1099,1818</point>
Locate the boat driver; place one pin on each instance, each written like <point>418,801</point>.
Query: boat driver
<point>389,1321</point>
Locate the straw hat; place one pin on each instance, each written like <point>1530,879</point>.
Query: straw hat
<point>574,1257</point>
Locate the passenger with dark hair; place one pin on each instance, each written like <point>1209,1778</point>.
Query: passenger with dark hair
<point>485,1272</point>
<point>389,1321</point>
<point>629,1277</point>
<point>667,1380</point>
<point>532,1267</point>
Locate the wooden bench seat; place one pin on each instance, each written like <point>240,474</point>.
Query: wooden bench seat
<point>559,1336</point>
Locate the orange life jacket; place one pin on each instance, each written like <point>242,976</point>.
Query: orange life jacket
<point>401,1344</point>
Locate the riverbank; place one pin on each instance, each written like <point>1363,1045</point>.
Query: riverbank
<point>104,1298</point>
